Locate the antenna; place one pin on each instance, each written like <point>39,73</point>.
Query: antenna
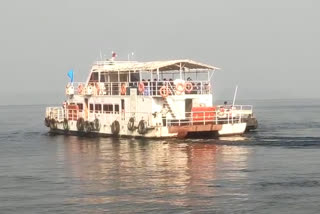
<point>235,95</point>
<point>132,54</point>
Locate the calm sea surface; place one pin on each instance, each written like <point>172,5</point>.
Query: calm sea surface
<point>275,169</point>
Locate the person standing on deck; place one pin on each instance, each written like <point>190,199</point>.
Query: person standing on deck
<point>149,87</point>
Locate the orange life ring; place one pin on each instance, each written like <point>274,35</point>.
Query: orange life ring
<point>123,89</point>
<point>80,89</point>
<point>188,87</point>
<point>141,87</point>
<point>164,91</point>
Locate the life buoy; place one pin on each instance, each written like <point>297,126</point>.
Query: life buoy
<point>53,124</point>
<point>115,127</point>
<point>180,87</point>
<point>188,87</point>
<point>87,127</point>
<point>80,124</point>
<point>141,87</point>
<point>96,124</point>
<point>221,113</point>
<point>80,89</point>
<point>142,127</point>
<point>123,89</point>
<point>47,122</point>
<point>65,124</point>
<point>164,91</point>
<point>131,124</point>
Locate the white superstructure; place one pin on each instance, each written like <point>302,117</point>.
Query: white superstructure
<point>145,99</point>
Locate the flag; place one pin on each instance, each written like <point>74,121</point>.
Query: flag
<point>113,56</point>
<point>70,75</point>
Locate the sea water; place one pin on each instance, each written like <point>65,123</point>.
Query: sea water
<point>275,169</point>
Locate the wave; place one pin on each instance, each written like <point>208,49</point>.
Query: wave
<point>291,184</point>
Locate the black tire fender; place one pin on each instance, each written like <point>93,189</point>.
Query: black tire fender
<point>97,125</point>
<point>131,124</point>
<point>87,127</point>
<point>80,124</point>
<point>65,124</point>
<point>142,127</point>
<point>115,127</point>
<point>53,124</point>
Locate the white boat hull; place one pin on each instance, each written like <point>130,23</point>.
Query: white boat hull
<point>156,132</point>
<point>232,129</point>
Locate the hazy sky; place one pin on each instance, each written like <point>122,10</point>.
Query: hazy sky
<point>269,48</point>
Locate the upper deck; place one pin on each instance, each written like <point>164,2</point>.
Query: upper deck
<point>157,78</point>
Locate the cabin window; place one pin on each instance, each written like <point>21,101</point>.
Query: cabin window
<point>116,108</point>
<point>108,108</point>
<point>97,108</point>
<point>123,77</point>
<point>134,77</point>
<point>113,77</point>
<point>80,106</point>
<point>102,78</point>
<point>91,109</point>
<point>94,77</point>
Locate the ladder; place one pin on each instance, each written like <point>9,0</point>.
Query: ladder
<point>169,108</point>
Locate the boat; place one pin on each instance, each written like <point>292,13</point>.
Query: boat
<point>157,99</point>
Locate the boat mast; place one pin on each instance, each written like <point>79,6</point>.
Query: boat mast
<point>235,94</point>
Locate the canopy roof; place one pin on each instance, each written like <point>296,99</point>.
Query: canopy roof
<point>170,65</point>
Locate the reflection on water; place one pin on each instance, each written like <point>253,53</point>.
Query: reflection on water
<point>237,138</point>
<point>172,173</point>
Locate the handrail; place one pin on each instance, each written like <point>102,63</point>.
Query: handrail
<point>151,88</point>
<point>236,107</point>
<point>56,113</point>
<point>191,118</point>
<point>207,117</point>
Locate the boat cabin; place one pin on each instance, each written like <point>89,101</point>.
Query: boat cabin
<point>178,76</point>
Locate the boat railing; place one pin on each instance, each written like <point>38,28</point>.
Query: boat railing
<point>110,62</point>
<point>206,118</point>
<point>244,109</point>
<point>153,119</point>
<point>56,113</point>
<point>145,88</point>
